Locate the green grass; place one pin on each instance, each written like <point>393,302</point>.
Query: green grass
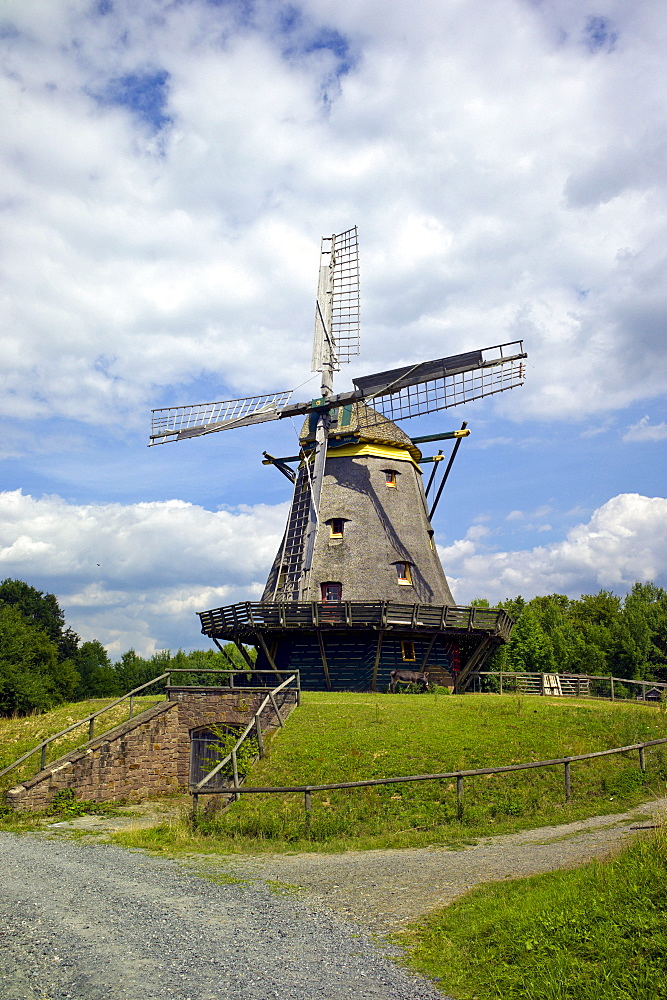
<point>18,735</point>
<point>348,737</point>
<point>595,933</point>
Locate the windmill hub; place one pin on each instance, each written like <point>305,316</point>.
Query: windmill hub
<point>357,589</point>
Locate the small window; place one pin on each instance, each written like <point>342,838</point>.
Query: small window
<point>332,593</point>
<point>408,652</point>
<point>390,478</point>
<point>336,527</point>
<point>403,573</point>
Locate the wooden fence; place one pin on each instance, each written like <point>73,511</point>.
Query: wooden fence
<point>569,685</point>
<point>460,776</point>
<point>255,724</point>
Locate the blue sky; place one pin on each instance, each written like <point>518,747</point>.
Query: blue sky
<point>169,169</point>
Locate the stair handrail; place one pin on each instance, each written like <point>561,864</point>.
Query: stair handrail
<point>90,719</point>
<point>253,724</point>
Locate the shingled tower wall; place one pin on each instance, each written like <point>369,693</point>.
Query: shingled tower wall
<point>374,537</point>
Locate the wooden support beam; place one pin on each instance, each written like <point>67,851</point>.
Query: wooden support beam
<point>325,665</point>
<point>267,654</point>
<point>244,653</point>
<point>225,653</point>
<point>376,663</point>
<point>428,652</point>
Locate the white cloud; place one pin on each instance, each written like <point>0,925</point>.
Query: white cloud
<point>135,575</point>
<point>624,540</point>
<point>135,260</point>
<point>644,430</point>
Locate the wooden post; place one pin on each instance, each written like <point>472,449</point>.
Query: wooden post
<point>91,728</point>
<point>307,802</point>
<point>611,678</point>
<point>235,771</point>
<point>275,709</point>
<point>131,705</point>
<point>568,787</point>
<point>376,661</point>
<point>298,688</point>
<point>260,738</point>
<point>43,757</point>
<point>325,665</point>
<point>643,690</point>
<point>459,796</point>
<point>501,682</point>
<point>642,759</point>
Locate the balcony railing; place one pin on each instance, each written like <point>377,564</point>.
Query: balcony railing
<point>249,617</point>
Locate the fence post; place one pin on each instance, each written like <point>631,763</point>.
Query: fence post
<point>260,738</point>
<point>91,728</point>
<point>131,705</point>
<point>611,678</point>
<point>235,772</point>
<point>307,802</point>
<point>459,796</point>
<point>195,804</point>
<point>298,688</point>
<point>568,787</point>
<point>43,757</point>
<point>642,759</point>
<point>275,709</point>
<point>501,682</point>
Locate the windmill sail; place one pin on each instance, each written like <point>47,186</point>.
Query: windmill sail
<point>337,328</point>
<point>176,423</point>
<point>438,385</point>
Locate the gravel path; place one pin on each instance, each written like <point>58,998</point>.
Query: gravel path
<point>91,921</point>
<point>96,922</point>
<point>383,890</point>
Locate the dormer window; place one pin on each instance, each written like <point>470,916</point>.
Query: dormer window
<point>390,478</point>
<point>403,573</point>
<point>336,527</point>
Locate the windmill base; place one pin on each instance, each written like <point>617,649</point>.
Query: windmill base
<point>354,646</point>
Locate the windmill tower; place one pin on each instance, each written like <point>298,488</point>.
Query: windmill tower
<point>357,588</point>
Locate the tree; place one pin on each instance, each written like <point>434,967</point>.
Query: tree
<point>31,676</point>
<point>43,611</point>
<point>96,674</point>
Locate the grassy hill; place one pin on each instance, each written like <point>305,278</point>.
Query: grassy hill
<point>349,737</point>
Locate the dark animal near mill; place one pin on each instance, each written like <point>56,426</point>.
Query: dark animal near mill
<point>408,677</point>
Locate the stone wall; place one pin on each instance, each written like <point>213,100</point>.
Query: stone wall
<point>149,755</point>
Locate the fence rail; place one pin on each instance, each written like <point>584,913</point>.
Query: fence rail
<point>256,725</point>
<point>460,775</point>
<point>569,685</point>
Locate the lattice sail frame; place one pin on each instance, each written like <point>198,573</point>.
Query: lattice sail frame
<point>436,386</point>
<point>174,423</point>
<point>337,315</point>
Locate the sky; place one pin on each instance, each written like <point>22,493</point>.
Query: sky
<point>168,169</point>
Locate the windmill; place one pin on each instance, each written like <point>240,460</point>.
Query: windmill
<point>357,588</point>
